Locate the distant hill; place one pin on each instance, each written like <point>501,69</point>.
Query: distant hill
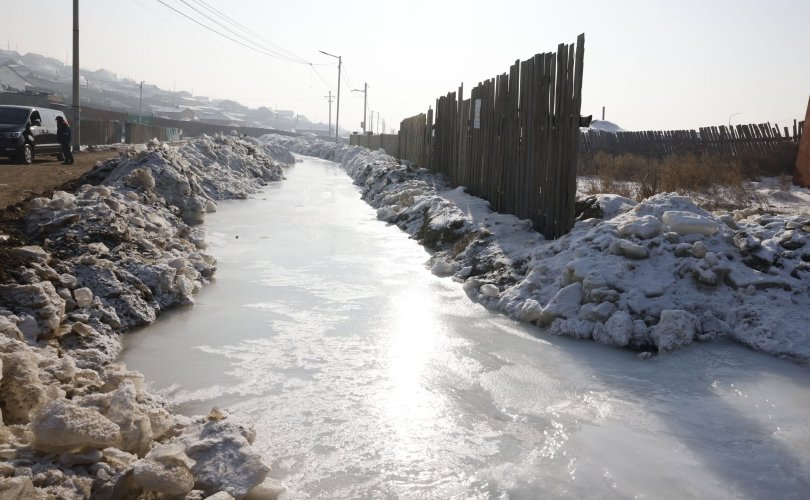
<point>103,89</point>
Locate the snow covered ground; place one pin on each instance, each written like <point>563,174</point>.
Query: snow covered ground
<point>86,267</point>
<point>782,196</point>
<point>652,276</point>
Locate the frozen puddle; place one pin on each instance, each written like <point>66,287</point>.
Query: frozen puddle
<point>368,377</point>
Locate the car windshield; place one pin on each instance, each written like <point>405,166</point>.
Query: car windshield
<point>14,116</point>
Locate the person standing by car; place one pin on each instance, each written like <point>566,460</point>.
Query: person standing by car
<point>63,136</point>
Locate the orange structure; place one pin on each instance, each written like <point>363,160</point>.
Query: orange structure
<point>801,177</point>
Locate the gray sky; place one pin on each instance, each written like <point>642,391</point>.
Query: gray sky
<point>654,64</point>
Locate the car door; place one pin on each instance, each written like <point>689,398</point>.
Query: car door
<point>37,129</point>
<point>49,144</point>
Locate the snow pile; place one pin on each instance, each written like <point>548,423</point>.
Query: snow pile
<point>654,276</point>
<point>780,194</point>
<point>605,126</point>
<point>192,176</point>
<point>96,263</point>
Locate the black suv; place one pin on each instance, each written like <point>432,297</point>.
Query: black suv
<point>25,131</point>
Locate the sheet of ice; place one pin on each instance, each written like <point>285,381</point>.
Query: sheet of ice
<point>370,377</point>
<point>755,292</point>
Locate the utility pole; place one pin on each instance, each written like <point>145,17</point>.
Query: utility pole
<point>337,113</point>
<point>76,99</point>
<point>372,121</point>
<point>378,122</point>
<point>140,106</point>
<point>330,111</point>
<point>603,113</point>
<point>365,102</point>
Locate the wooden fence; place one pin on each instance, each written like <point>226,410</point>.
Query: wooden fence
<point>414,138</point>
<point>387,142</point>
<point>514,142</point>
<point>740,140</point>
<point>140,134</point>
<point>98,132</point>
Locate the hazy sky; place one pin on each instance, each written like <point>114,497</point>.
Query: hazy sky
<point>653,64</point>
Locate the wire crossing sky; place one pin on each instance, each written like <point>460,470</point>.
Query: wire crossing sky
<point>654,65</point>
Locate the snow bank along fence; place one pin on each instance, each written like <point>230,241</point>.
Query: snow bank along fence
<point>740,140</point>
<point>388,142</point>
<point>514,142</point>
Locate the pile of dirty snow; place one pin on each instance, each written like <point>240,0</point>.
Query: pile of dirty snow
<point>85,267</point>
<point>653,276</point>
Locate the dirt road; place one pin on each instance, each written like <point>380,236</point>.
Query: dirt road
<point>17,182</point>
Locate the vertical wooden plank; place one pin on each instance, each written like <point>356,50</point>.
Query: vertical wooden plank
<point>465,113</point>
<point>513,139</point>
<point>567,125</point>
<point>548,109</point>
<point>540,113</point>
<point>525,94</point>
<point>559,113</point>
<point>574,135</point>
<point>427,147</point>
<point>460,133</point>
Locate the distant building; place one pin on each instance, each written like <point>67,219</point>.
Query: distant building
<point>40,99</point>
<point>104,75</point>
<point>12,79</point>
<point>212,115</point>
<point>43,65</point>
<point>175,113</point>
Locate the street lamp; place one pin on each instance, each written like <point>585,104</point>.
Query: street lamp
<point>731,116</point>
<point>337,113</point>
<point>365,101</point>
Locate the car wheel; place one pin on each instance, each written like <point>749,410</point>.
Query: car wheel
<point>27,155</point>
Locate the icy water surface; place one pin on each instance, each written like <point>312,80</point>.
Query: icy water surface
<point>370,378</point>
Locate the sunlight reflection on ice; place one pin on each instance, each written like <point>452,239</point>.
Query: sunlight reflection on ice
<point>414,334</point>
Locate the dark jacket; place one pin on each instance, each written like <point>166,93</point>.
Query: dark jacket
<point>63,133</point>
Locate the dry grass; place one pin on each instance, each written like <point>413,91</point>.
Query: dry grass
<point>716,182</point>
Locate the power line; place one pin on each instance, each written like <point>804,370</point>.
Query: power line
<point>241,36</point>
<point>328,85</point>
<point>245,28</point>
<point>260,47</point>
<point>264,52</point>
<point>216,46</point>
<point>347,79</point>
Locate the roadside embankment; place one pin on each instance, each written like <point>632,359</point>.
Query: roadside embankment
<point>79,269</point>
